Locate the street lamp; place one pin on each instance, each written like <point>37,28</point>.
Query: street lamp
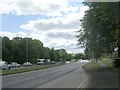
<point>54,51</point>
<point>26,48</point>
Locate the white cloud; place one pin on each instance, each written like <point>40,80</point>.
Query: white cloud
<point>58,30</point>
<point>65,35</point>
<point>70,44</point>
<point>32,7</point>
<point>12,35</point>
<point>69,21</point>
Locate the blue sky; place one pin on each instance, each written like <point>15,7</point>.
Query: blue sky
<point>49,21</point>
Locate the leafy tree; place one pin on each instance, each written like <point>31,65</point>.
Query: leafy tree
<point>0,47</point>
<point>7,49</point>
<point>100,32</point>
<point>79,56</point>
<point>26,49</point>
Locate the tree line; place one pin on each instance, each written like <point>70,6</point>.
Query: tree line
<point>100,30</point>
<point>21,50</point>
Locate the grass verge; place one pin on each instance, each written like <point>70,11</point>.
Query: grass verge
<point>107,62</point>
<point>91,66</point>
<point>21,70</point>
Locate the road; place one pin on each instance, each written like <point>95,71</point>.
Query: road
<point>69,76</point>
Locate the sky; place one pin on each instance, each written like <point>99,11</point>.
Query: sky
<point>53,22</point>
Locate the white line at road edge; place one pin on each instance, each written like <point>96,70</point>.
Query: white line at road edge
<point>84,82</point>
<point>80,86</point>
<point>86,79</point>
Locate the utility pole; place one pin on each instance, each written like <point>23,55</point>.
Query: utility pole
<point>26,48</point>
<point>54,45</point>
<point>54,51</point>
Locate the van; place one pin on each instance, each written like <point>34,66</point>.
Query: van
<point>40,61</point>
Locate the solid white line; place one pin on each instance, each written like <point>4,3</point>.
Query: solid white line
<point>84,82</point>
<point>84,79</point>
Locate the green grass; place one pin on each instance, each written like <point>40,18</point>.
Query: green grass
<point>91,66</point>
<point>21,70</point>
<point>108,62</point>
<point>0,72</point>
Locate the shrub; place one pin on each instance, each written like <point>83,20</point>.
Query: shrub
<point>116,63</point>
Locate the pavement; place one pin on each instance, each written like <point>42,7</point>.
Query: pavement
<point>102,78</point>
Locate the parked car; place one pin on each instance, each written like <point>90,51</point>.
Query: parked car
<point>15,65</point>
<point>25,64</point>
<point>67,61</point>
<point>48,61</point>
<point>10,66</point>
<point>40,61</point>
<point>52,62</point>
<point>4,65</point>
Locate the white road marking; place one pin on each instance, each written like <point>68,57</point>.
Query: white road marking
<point>86,79</point>
<point>84,82</point>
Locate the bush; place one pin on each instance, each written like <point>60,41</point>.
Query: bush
<point>116,63</point>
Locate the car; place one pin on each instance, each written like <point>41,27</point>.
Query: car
<point>14,65</point>
<point>25,64</point>
<point>67,61</point>
<point>10,66</point>
<point>4,65</point>
<point>48,61</point>
<point>52,62</point>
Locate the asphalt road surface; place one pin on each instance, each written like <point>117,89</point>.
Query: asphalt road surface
<point>66,76</point>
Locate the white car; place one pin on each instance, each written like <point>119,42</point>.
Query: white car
<point>67,61</point>
<point>15,64</point>
<point>52,62</point>
<point>27,64</point>
<point>4,65</point>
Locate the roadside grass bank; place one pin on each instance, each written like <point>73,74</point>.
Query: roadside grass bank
<point>108,62</point>
<point>101,77</point>
<point>91,66</point>
<point>28,69</point>
<point>96,66</point>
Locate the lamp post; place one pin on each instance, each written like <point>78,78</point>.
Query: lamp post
<point>54,45</point>
<point>26,48</point>
<point>54,51</point>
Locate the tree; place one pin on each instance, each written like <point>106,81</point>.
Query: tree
<point>79,56</point>
<point>7,49</point>
<point>100,32</point>
<point>21,50</point>
<point>0,47</point>
<point>52,53</point>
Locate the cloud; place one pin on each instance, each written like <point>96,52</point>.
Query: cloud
<point>70,21</point>
<point>32,7</point>
<point>64,35</point>
<point>70,48</point>
<point>12,35</point>
<point>59,29</point>
<point>65,42</point>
